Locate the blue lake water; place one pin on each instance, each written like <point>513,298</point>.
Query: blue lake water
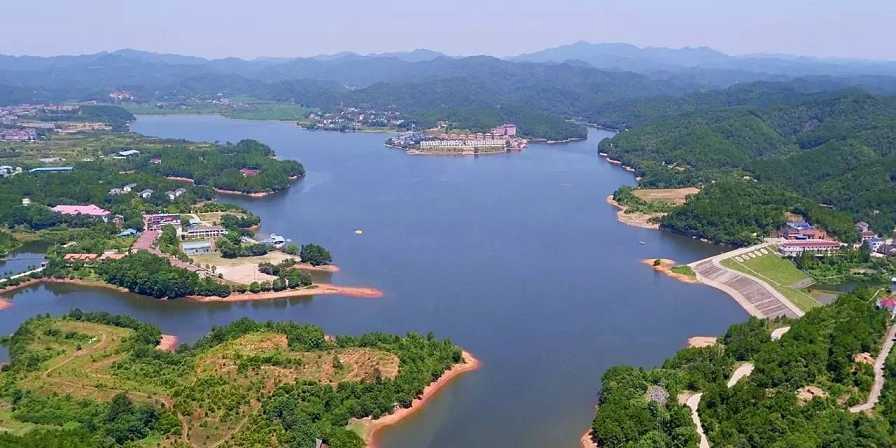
<point>515,257</point>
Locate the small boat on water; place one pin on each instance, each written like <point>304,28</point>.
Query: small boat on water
<point>642,243</point>
<point>359,232</point>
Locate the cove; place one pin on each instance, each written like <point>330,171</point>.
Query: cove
<point>515,257</point>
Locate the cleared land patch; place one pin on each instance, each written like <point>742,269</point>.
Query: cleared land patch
<point>675,196</point>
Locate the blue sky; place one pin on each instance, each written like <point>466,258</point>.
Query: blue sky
<point>252,28</point>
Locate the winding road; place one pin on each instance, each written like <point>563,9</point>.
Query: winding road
<point>879,364</point>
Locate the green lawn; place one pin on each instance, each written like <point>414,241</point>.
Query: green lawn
<point>778,272</point>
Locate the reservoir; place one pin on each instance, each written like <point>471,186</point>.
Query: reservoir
<point>516,257</point>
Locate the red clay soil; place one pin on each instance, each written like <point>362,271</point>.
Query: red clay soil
<point>315,290</point>
<point>666,266</point>
<point>587,440</point>
<point>168,343</point>
<point>4,304</point>
<point>375,426</point>
<point>323,268</point>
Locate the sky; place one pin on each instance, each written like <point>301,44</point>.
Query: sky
<point>286,28</point>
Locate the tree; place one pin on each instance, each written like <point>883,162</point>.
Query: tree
<point>315,255</point>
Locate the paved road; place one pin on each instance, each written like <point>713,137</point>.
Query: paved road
<point>23,274</point>
<point>756,296</point>
<point>879,363</point>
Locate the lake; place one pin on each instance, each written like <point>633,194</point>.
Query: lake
<point>515,257</point>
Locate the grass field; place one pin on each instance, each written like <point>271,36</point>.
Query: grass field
<point>778,272</point>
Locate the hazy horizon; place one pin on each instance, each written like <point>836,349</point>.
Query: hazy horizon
<point>277,28</point>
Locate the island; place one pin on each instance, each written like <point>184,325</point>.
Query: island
<point>88,379</point>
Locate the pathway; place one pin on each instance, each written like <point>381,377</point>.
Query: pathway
<point>756,296</point>
<point>693,402</point>
<point>741,372</point>
<point>23,274</point>
<point>879,363</point>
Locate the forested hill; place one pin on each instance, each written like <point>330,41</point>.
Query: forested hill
<point>475,92</point>
<point>837,149</point>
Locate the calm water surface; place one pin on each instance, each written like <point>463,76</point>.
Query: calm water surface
<point>515,257</point>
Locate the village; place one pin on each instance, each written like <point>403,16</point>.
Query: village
<point>444,141</point>
<point>353,119</point>
<point>30,122</point>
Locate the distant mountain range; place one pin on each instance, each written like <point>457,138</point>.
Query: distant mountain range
<point>540,91</point>
<point>620,56</point>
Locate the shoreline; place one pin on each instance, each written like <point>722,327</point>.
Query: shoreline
<point>259,194</point>
<point>372,427</point>
<point>639,220</point>
<point>587,440</point>
<point>329,268</point>
<point>65,281</point>
<point>315,290</point>
<point>666,266</point>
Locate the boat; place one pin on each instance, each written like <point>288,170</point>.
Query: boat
<point>359,232</point>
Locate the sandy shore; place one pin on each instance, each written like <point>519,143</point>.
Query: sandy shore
<point>332,268</point>
<point>587,440</point>
<point>260,194</point>
<point>702,341</point>
<point>372,427</point>
<point>641,220</point>
<point>666,266</point>
<point>168,343</point>
<point>315,290</point>
<point>4,304</point>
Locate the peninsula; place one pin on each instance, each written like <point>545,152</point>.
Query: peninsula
<point>443,141</point>
<point>241,384</point>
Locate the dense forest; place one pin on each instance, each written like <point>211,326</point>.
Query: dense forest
<point>220,167</point>
<point>764,409</point>
<point>151,275</point>
<point>834,149</point>
<point>227,403</point>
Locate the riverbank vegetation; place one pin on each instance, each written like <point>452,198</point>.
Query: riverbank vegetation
<point>637,407</point>
<point>151,275</point>
<point>832,148</point>
<point>93,379</point>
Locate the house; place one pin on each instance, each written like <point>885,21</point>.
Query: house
<point>86,210</point>
<point>116,192</point>
<point>249,172</point>
<point>505,130</point>
<point>889,304</point>
<point>155,222</point>
<point>200,232</point>
<point>129,153</point>
<point>127,188</point>
<point>127,232</point>
<point>865,231</point>
<point>80,258</point>
<point>7,171</point>
<point>197,247</point>
<point>794,248</point>
<point>26,202</point>
<point>155,160</point>
<point>145,194</point>
<point>172,195</point>
<point>875,244</point>
<point>51,169</point>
